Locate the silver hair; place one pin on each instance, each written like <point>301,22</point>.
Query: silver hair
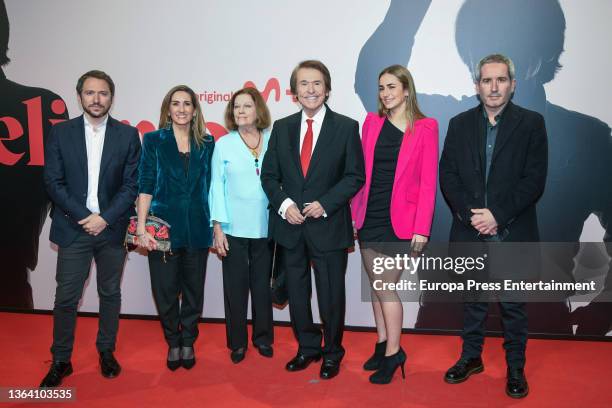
<point>494,58</point>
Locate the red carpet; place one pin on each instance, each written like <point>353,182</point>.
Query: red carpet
<point>560,373</point>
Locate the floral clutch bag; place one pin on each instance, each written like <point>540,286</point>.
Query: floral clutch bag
<point>156,227</point>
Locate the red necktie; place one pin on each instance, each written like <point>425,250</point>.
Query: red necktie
<point>306,148</point>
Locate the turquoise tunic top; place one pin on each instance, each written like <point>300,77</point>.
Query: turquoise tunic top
<point>237,200</point>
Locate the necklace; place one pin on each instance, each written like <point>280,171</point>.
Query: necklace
<point>253,150</point>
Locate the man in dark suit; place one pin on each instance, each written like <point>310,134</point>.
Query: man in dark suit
<point>311,170</point>
<point>91,177</point>
<point>492,172</point>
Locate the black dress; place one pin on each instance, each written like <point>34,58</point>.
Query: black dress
<point>377,228</point>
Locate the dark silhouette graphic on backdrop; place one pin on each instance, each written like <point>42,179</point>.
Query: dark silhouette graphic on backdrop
<point>26,116</point>
<point>532,34</point>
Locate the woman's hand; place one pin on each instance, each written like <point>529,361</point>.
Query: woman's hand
<point>220,240</point>
<point>418,243</point>
<point>146,241</point>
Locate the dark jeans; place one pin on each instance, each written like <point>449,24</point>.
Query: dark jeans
<point>329,272</point>
<point>181,274</point>
<point>73,265</point>
<point>514,319</point>
<point>248,266</point>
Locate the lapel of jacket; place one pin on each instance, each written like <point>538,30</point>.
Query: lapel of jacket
<point>194,163</point>
<point>293,128</point>
<point>326,135</point>
<point>371,139</point>
<point>78,140</point>
<point>510,121</point>
<point>170,152</point>
<point>108,149</point>
<point>477,130</point>
<point>409,141</point>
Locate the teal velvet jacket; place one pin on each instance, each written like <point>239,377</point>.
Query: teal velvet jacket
<point>178,198</point>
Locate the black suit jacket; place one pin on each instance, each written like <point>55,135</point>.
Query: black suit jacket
<point>66,178</point>
<point>516,178</point>
<point>335,174</point>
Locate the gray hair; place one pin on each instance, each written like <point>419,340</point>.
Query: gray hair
<point>494,58</point>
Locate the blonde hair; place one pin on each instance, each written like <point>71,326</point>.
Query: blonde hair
<point>198,125</point>
<point>413,112</point>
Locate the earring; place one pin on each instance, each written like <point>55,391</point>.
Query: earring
<point>168,122</point>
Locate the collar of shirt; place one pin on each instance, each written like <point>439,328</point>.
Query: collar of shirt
<point>497,117</point>
<point>317,122</point>
<point>90,127</point>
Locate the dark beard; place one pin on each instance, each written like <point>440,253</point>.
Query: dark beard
<point>96,115</point>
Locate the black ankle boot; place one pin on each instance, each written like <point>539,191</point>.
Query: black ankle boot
<point>374,361</point>
<point>388,365</point>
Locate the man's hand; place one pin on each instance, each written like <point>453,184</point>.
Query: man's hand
<point>93,224</point>
<point>314,210</point>
<point>293,216</point>
<point>483,221</point>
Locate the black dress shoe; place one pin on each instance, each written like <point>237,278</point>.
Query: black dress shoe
<point>57,371</point>
<point>462,370</point>
<point>329,369</point>
<point>379,353</point>
<point>387,368</point>
<point>238,355</point>
<point>516,385</point>
<point>265,350</point>
<point>109,367</point>
<point>300,362</point>
<point>187,357</point>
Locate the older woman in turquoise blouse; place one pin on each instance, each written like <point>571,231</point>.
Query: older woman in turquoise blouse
<point>239,215</point>
<point>174,180</point>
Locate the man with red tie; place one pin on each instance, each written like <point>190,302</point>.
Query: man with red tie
<point>312,168</point>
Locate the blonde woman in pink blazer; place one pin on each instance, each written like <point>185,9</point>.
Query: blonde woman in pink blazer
<point>395,207</point>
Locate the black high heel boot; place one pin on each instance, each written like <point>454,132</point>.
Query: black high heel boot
<point>374,361</point>
<point>389,364</point>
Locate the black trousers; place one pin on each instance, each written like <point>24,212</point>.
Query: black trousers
<point>514,320</point>
<point>73,265</point>
<point>179,274</point>
<point>247,266</point>
<point>329,271</point>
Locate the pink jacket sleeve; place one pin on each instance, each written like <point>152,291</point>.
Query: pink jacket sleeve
<point>429,177</point>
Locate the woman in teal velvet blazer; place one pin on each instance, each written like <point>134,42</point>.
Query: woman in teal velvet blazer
<point>174,181</point>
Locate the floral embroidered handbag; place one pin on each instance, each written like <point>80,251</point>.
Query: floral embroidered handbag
<point>156,227</point>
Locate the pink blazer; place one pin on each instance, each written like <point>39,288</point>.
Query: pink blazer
<point>414,187</point>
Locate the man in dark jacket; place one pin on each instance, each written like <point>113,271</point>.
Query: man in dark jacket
<point>492,172</point>
<point>91,177</point>
<point>313,167</point>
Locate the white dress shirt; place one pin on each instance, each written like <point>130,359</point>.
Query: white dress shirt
<point>94,143</point>
<point>317,122</point>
